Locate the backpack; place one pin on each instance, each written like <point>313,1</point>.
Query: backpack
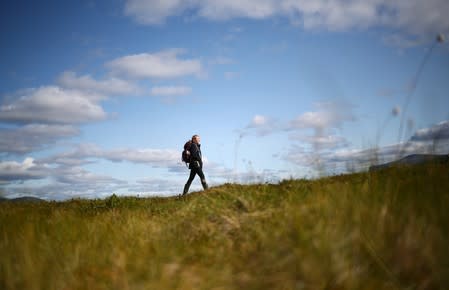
<point>186,152</point>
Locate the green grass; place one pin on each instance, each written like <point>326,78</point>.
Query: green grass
<point>382,230</point>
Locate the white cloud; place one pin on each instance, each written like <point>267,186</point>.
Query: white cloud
<point>66,179</point>
<point>160,65</point>
<point>63,191</point>
<point>15,171</point>
<point>33,137</point>
<point>154,12</point>
<point>261,126</point>
<point>437,132</point>
<point>168,91</point>
<point>314,148</point>
<point>323,151</point>
<point>66,183</point>
<point>433,140</point>
<point>323,142</point>
<point>371,156</point>
<point>312,120</point>
<point>258,120</point>
<point>51,104</point>
<point>300,156</point>
<point>402,41</point>
<point>222,10</point>
<point>159,186</point>
<point>79,176</point>
<point>333,15</point>
<point>109,86</point>
<point>152,157</point>
<point>412,16</point>
<point>329,115</point>
<point>419,16</point>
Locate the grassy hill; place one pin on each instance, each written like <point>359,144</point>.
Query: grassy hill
<point>22,199</point>
<point>387,229</point>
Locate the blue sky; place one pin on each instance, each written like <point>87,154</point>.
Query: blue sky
<point>98,97</point>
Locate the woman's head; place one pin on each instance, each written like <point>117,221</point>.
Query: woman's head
<point>196,139</point>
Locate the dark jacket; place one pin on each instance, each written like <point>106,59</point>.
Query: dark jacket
<point>195,156</point>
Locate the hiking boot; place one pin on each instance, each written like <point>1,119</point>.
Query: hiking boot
<point>186,189</point>
<point>204,184</point>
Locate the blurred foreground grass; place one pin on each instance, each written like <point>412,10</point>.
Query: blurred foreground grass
<point>381,230</point>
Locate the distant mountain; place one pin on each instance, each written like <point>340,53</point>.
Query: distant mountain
<point>413,160</point>
<point>22,199</point>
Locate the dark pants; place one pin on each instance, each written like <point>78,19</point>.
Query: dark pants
<point>193,172</point>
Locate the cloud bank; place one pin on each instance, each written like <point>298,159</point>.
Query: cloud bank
<point>16,171</point>
<point>33,137</point>
<point>316,144</point>
<point>167,91</point>
<point>412,16</point>
<point>160,65</point>
<point>52,104</point>
<point>108,86</point>
<point>63,176</point>
<point>432,140</point>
